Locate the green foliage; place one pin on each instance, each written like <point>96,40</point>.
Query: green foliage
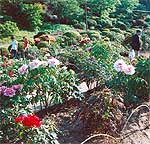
<point>8,28</point>
<point>101,51</point>
<point>43,44</point>
<point>102,7</point>
<point>105,22</point>
<point>94,34</point>
<point>16,133</point>
<point>55,27</point>
<point>69,38</point>
<point>146,4</point>
<point>80,25</point>
<point>91,22</point>
<point>121,25</point>
<point>33,14</point>
<point>64,8</point>
<point>135,87</point>
<point>127,6</point>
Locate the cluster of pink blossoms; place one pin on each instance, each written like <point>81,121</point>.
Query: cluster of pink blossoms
<point>121,66</point>
<point>10,91</point>
<point>36,63</point>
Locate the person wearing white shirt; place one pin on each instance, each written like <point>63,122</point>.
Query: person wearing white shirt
<point>14,47</point>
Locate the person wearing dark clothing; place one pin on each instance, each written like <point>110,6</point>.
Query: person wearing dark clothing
<point>136,42</point>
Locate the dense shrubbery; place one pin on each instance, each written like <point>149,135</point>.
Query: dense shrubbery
<point>135,87</point>
<point>8,28</point>
<point>33,14</point>
<point>42,82</point>
<point>91,56</point>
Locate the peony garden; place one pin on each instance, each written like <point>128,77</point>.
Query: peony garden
<point>74,77</point>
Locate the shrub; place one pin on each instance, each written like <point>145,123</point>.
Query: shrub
<point>107,23</point>
<point>116,30</point>
<point>70,37</point>
<point>101,51</point>
<point>33,14</point>
<point>80,25</point>
<point>87,68</point>
<point>102,106</point>
<point>73,34</point>
<point>56,27</point>
<point>94,34</point>
<point>42,44</point>
<point>136,87</point>
<point>8,28</point>
<point>121,25</point>
<point>91,22</point>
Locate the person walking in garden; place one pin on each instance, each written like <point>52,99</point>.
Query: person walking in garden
<point>26,46</point>
<point>14,47</point>
<point>136,42</point>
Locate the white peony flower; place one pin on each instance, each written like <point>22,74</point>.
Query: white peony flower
<point>129,70</point>
<point>120,65</point>
<point>53,62</point>
<point>34,64</point>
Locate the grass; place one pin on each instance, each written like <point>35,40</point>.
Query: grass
<point>5,40</point>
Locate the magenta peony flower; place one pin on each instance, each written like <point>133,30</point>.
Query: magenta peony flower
<point>2,89</point>
<point>129,70</point>
<point>17,87</point>
<point>10,92</point>
<point>120,65</point>
<point>53,62</point>
<point>34,64</point>
<point>22,69</point>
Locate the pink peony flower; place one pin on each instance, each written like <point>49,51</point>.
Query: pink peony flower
<point>129,70</point>
<point>53,62</point>
<point>17,87</point>
<point>10,92</point>
<point>34,64</point>
<point>22,69</point>
<point>120,65</point>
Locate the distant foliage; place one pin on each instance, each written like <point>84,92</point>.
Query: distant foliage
<point>34,14</point>
<point>8,28</point>
<point>102,7</point>
<point>127,5</point>
<point>65,9</point>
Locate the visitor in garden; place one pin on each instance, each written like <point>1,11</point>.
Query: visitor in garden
<point>14,47</point>
<point>26,46</point>
<point>136,42</point>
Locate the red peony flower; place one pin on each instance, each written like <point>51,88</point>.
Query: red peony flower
<point>10,73</point>
<point>19,119</point>
<point>29,121</point>
<point>4,65</point>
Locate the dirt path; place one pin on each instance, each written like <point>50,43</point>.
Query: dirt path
<point>138,129</point>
